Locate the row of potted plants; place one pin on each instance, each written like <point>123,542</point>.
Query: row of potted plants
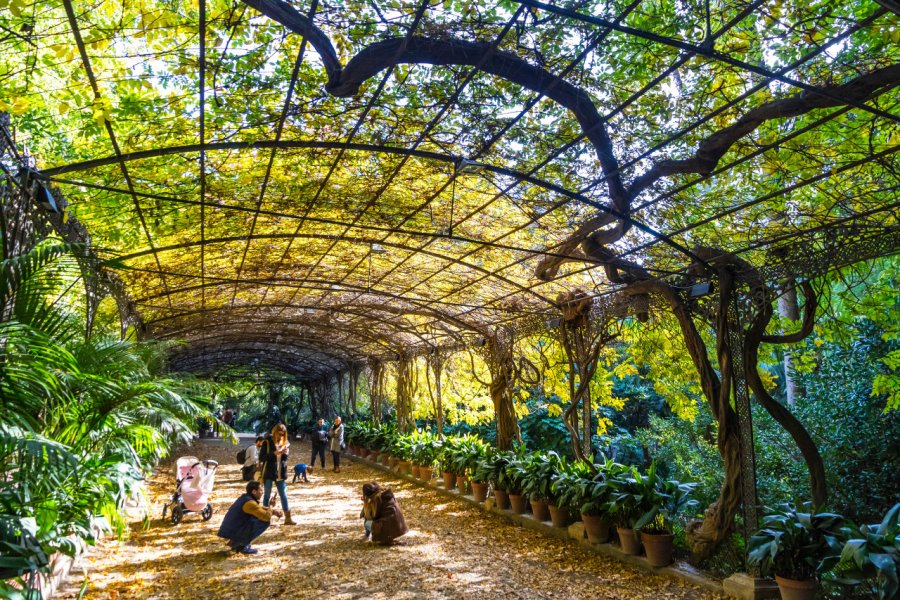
<point>642,506</point>
<point>793,545</point>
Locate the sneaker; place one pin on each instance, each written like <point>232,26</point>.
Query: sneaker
<point>248,550</point>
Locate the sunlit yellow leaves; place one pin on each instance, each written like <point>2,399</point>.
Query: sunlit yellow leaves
<point>17,107</point>
<point>16,7</point>
<point>100,110</point>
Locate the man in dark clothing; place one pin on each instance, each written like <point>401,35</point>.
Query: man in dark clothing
<point>246,520</point>
<point>319,442</point>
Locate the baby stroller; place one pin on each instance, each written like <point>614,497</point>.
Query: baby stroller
<point>193,484</point>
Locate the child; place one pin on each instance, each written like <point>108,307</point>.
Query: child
<point>301,470</point>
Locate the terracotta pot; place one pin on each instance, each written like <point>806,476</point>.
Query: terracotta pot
<point>405,467</point>
<point>559,516</point>
<point>393,461</point>
<point>517,503</point>
<point>449,480</point>
<point>659,548</point>
<point>479,491</point>
<point>597,528</point>
<point>792,589</point>
<point>629,541</point>
<point>462,484</point>
<point>502,499</point>
<point>425,473</point>
<point>539,510</point>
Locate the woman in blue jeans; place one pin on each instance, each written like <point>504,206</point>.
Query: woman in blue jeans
<point>273,455</point>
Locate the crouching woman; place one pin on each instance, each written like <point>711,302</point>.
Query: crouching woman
<point>381,513</point>
<point>246,520</point>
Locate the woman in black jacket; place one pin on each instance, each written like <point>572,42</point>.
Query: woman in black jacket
<point>273,456</point>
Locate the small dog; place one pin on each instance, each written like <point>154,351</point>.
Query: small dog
<point>300,470</point>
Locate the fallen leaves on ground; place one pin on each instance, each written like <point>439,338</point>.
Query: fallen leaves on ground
<point>452,551</point>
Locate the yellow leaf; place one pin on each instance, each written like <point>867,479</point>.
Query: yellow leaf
<point>19,106</point>
<point>63,108</point>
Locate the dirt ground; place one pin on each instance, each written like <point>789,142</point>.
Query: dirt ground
<point>452,550</point>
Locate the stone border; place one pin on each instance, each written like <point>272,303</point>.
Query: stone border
<point>574,532</point>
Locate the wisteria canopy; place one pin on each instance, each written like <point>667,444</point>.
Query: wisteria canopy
<point>308,185</point>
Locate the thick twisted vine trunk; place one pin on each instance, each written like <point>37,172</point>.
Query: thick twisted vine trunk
<point>582,339</point>
<point>355,371</point>
<point>755,336</point>
<point>376,389</point>
<point>705,536</point>
<point>502,367</point>
<point>406,386</point>
<point>436,366</point>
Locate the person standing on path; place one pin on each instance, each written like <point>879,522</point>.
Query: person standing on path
<point>337,443</point>
<point>273,456</point>
<point>251,462</point>
<point>319,442</point>
<point>246,520</point>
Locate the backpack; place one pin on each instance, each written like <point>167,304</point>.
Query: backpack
<point>242,456</point>
<point>323,436</point>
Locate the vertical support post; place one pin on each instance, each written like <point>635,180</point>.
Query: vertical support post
<point>741,394</point>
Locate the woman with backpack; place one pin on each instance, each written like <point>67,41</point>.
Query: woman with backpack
<point>273,457</point>
<point>250,454</point>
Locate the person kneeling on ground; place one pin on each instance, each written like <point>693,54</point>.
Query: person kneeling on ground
<point>301,470</point>
<point>246,520</point>
<point>383,520</point>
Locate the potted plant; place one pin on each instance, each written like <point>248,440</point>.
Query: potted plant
<point>492,468</point>
<point>477,473</point>
<point>401,449</point>
<point>667,498</point>
<point>583,489</point>
<point>445,460</point>
<point>871,562</point>
<point>471,450</point>
<point>796,546</point>
<point>515,481</point>
<point>424,451</point>
<point>632,496</point>
<point>539,470</point>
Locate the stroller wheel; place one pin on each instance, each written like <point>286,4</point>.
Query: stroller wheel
<point>177,514</point>
<point>206,513</point>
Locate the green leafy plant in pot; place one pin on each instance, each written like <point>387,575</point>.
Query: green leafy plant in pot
<point>796,546</point>
<point>539,470</point>
<point>668,498</point>
<point>580,488</point>
<point>870,563</point>
<point>632,502</point>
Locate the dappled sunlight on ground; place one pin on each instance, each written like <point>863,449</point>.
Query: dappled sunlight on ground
<point>452,550</point>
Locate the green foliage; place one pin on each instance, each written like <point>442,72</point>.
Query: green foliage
<point>870,563</point>
<point>536,473</point>
<point>580,488</point>
<point>796,545</point>
<point>82,421</point>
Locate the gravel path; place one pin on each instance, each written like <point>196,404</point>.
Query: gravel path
<point>452,550</point>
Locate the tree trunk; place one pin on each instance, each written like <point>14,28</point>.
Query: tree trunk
<point>790,309</point>
<point>500,361</point>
